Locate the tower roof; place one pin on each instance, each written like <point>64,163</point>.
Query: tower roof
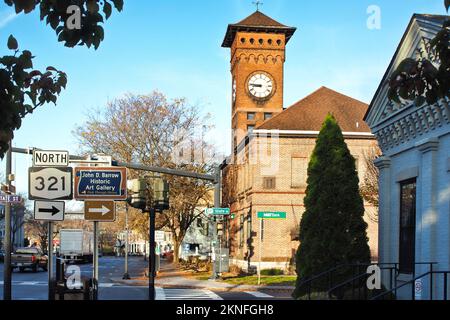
<point>256,22</point>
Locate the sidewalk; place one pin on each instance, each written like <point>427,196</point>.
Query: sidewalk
<point>171,277</point>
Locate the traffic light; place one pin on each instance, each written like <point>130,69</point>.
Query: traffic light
<point>220,229</point>
<point>160,190</point>
<point>138,197</point>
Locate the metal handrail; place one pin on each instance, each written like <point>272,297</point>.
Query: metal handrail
<point>362,275</point>
<point>412,282</point>
<point>329,273</point>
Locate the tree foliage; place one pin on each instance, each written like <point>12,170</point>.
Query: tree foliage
<point>425,80</point>
<point>332,229</point>
<point>56,14</point>
<point>23,89</point>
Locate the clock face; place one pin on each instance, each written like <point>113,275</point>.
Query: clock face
<point>260,86</point>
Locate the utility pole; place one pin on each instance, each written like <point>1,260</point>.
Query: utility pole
<point>7,240</point>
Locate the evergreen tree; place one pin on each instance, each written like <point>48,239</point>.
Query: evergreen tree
<point>332,229</point>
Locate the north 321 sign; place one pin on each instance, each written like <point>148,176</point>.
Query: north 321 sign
<point>50,183</point>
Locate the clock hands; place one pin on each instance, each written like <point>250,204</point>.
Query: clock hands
<point>256,85</point>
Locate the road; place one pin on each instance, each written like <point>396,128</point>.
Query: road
<point>33,286</point>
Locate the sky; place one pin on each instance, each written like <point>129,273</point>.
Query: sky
<point>174,46</point>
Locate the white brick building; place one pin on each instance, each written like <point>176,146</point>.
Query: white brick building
<point>414,213</point>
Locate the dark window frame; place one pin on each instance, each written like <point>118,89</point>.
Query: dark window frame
<point>269,183</point>
<point>407,230</point>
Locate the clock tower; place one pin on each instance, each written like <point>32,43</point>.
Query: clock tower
<point>258,45</point>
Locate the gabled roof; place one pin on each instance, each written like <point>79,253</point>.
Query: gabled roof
<point>421,19</point>
<point>256,22</point>
<point>309,113</point>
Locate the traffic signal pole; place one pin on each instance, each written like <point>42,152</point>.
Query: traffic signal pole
<point>7,239</point>
<point>152,256</point>
<point>217,204</point>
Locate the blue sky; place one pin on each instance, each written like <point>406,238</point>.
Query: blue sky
<point>175,46</point>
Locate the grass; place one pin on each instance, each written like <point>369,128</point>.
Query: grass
<point>265,280</point>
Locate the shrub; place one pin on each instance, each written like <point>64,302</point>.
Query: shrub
<point>272,272</point>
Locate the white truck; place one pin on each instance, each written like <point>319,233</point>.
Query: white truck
<point>76,245</point>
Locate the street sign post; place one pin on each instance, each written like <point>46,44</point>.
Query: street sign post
<point>49,210</point>
<point>218,211</point>
<point>101,211</point>
<point>50,183</point>
<point>101,183</point>
<point>268,215</point>
<point>160,236</point>
<point>42,158</point>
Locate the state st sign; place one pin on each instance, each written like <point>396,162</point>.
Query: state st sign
<point>100,183</point>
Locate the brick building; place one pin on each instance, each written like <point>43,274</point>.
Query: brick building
<point>267,170</point>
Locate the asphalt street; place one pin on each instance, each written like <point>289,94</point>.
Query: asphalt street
<point>33,286</point>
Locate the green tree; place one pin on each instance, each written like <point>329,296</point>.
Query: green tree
<point>425,80</point>
<point>332,229</point>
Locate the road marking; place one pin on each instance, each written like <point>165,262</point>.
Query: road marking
<point>160,294</point>
<point>258,294</point>
<point>105,285</point>
<point>185,294</point>
<point>28,283</point>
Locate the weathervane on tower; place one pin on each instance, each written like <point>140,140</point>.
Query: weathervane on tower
<point>257,4</point>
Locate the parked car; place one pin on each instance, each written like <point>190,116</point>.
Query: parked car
<point>32,258</point>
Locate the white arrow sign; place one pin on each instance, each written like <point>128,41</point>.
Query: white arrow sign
<point>103,210</point>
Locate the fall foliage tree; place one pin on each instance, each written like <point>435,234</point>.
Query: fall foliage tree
<point>155,131</point>
<point>369,186</point>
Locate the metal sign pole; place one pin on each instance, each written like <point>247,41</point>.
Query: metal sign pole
<point>95,260</point>
<point>216,205</point>
<point>260,250</point>
<point>126,276</point>
<point>152,258</point>
<point>7,239</point>
<point>50,261</point>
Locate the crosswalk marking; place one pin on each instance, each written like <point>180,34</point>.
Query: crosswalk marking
<point>259,294</point>
<point>185,294</point>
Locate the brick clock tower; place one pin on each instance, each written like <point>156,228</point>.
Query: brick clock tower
<point>258,45</point>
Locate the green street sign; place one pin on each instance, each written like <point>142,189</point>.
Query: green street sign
<point>271,215</point>
<point>218,211</point>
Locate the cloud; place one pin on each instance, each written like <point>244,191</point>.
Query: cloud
<point>6,18</point>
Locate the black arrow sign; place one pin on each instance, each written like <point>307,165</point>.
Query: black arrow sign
<point>53,210</point>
